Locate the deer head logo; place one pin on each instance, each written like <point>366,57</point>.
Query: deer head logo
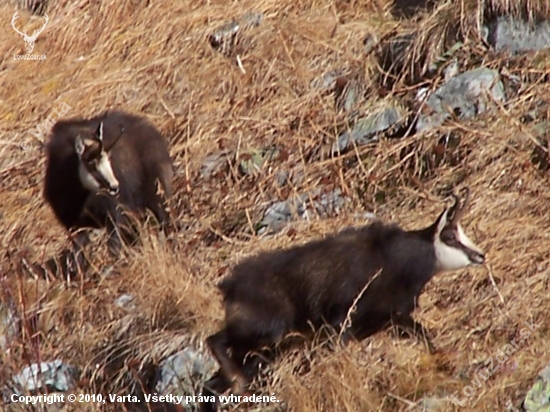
<point>29,40</point>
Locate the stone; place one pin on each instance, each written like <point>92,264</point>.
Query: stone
<point>513,35</point>
<point>465,94</point>
<point>366,129</point>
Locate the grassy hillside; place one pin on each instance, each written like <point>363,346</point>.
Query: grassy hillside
<point>154,58</point>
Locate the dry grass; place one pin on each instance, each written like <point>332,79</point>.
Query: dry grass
<point>156,60</point>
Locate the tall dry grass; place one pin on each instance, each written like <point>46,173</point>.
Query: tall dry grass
<point>154,58</point>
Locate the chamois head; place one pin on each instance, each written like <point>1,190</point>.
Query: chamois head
<point>453,249</point>
<point>95,169</point>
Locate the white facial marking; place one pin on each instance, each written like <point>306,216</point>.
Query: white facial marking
<point>466,241</point>
<point>447,257</point>
<point>106,169</point>
<point>103,167</point>
<point>79,145</point>
<point>88,181</point>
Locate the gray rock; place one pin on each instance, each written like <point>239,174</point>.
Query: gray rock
<point>55,374</point>
<point>348,92</point>
<point>514,35</point>
<point>465,94</point>
<point>125,301</point>
<point>366,129</point>
<point>214,163</point>
<point>280,213</point>
<point>451,70</point>
<point>329,203</point>
<point>184,371</point>
<point>538,397</point>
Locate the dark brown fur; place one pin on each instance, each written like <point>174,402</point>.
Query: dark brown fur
<point>274,293</point>
<point>139,156</point>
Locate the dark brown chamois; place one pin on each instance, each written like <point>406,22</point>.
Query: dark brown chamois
<point>382,267</point>
<point>100,168</point>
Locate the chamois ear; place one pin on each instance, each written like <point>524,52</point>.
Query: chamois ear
<point>79,145</point>
<point>83,145</point>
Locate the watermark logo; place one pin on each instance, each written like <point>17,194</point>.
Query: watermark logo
<point>29,40</point>
<point>45,125</point>
<point>25,144</point>
<point>491,367</point>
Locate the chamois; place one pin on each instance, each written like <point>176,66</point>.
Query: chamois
<point>100,168</point>
<point>380,268</point>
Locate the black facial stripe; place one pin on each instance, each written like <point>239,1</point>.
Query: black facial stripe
<point>454,243</point>
<point>103,183</point>
<point>90,154</point>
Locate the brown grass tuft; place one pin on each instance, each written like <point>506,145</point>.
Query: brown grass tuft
<point>156,60</point>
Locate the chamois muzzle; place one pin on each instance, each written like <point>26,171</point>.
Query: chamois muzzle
<point>113,190</point>
<point>476,257</point>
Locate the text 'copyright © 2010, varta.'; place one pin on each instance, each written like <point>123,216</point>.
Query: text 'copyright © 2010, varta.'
<point>113,397</point>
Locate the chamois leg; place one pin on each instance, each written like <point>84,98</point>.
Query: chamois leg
<point>406,325</point>
<point>160,209</point>
<point>214,386</point>
<point>163,191</point>
<point>369,324</point>
<point>218,344</point>
<point>120,228</point>
<point>79,242</point>
<point>114,243</point>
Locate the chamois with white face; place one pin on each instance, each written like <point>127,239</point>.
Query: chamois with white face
<point>95,170</point>
<point>453,249</point>
<point>379,267</point>
<point>99,169</point>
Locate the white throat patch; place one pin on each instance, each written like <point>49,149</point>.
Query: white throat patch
<point>449,258</point>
